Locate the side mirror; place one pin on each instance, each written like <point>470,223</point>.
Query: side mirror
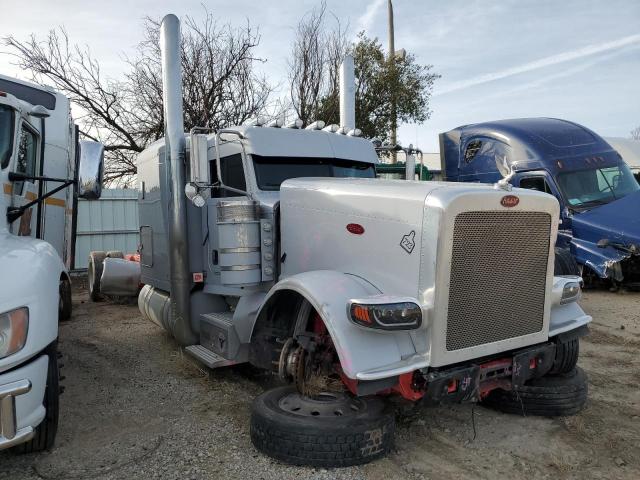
<point>90,170</point>
<point>39,111</point>
<point>198,160</point>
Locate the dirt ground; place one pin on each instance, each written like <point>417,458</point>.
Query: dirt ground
<point>136,407</point>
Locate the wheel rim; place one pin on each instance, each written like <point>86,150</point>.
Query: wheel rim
<point>323,405</point>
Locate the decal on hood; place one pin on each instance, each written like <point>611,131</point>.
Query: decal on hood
<point>408,242</point>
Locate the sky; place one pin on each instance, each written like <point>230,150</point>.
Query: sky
<point>572,59</point>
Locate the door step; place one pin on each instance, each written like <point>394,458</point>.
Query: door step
<point>209,358</point>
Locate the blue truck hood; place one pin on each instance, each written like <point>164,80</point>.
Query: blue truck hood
<point>618,221</point>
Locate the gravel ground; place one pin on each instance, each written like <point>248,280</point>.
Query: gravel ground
<point>136,407</point>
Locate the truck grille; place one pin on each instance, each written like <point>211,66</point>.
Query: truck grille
<point>498,276</point>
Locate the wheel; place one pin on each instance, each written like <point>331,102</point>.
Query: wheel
<point>565,263</point>
<point>65,306</point>
<point>566,356</point>
<point>94,273</point>
<point>548,396</point>
<point>115,254</point>
<point>328,430</point>
<point>45,433</point>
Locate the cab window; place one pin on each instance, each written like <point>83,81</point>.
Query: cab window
<point>27,156</point>
<point>536,183</point>
<point>6,135</point>
<point>27,151</point>
<point>232,175</point>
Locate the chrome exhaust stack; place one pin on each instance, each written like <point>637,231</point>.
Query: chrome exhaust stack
<point>175,151</point>
<point>347,94</point>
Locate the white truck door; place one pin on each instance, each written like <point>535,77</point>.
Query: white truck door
<point>25,191</point>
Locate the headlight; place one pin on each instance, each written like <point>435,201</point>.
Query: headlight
<point>14,326</point>
<point>570,292</point>
<point>387,316</point>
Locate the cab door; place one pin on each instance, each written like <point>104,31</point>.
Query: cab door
<point>24,191</point>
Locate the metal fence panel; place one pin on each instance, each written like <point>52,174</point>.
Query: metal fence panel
<point>110,223</point>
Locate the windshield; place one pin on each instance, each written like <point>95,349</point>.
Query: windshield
<point>272,171</point>
<point>6,135</point>
<point>588,188</point>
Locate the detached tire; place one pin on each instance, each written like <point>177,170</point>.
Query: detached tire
<point>548,396</point>
<point>94,273</point>
<point>45,434</point>
<point>565,263</point>
<point>323,431</point>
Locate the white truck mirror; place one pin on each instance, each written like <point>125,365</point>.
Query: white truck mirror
<point>198,159</point>
<point>90,170</point>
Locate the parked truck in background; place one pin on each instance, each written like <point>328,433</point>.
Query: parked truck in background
<point>44,169</point>
<point>276,245</point>
<point>598,195</point>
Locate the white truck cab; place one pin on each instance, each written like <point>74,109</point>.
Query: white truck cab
<point>39,158</point>
<point>278,247</point>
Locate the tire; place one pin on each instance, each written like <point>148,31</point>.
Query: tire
<point>65,307</point>
<point>115,254</point>
<point>94,273</point>
<point>45,433</point>
<point>325,440</point>
<point>548,396</point>
<point>566,356</point>
<point>565,263</point>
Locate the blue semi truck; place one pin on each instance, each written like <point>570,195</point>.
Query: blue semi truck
<point>599,196</point>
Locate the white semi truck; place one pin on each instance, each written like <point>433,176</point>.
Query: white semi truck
<point>351,289</point>
<point>44,169</point>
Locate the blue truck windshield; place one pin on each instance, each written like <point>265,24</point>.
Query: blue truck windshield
<point>6,134</point>
<point>272,171</point>
<point>590,188</point>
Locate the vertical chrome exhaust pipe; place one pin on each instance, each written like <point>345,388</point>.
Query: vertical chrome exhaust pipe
<point>175,151</point>
<point>347,94</point>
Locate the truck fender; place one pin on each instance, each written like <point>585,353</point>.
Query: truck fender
<point>360,350</point>
<point>32,270</point>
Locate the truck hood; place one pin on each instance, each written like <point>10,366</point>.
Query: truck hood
<point>617,222</point>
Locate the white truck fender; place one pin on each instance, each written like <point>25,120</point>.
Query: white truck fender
<point>365,354</point>
<point>30,277</point>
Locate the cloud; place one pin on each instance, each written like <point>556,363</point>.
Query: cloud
<point>365,21</point>
<point>541,63</point>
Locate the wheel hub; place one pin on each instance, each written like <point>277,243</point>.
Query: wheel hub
<point>322,405</point>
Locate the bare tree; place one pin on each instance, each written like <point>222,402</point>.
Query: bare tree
<point>315,61</point>
<point>635,133</point>
<point>220,85</point>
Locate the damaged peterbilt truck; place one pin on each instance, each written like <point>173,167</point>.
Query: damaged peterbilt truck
<point>599,196</point>
<point>275,245</point>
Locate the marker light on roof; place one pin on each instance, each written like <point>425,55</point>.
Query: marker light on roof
<point>275,123</point>
<point>297,123</point>
<point>317,125</point>
<point>256,122</point>
<point>356,132</point>
<point>333,128</point>
<point>342,131</point>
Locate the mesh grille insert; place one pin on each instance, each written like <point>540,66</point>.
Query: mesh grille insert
<point>498,276</point>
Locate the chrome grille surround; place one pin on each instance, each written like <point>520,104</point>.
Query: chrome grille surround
<point>498,276</point>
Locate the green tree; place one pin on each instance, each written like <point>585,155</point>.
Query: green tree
<point>313,72</point>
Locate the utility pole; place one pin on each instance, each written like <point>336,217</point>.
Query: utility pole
<point>392,67</point>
